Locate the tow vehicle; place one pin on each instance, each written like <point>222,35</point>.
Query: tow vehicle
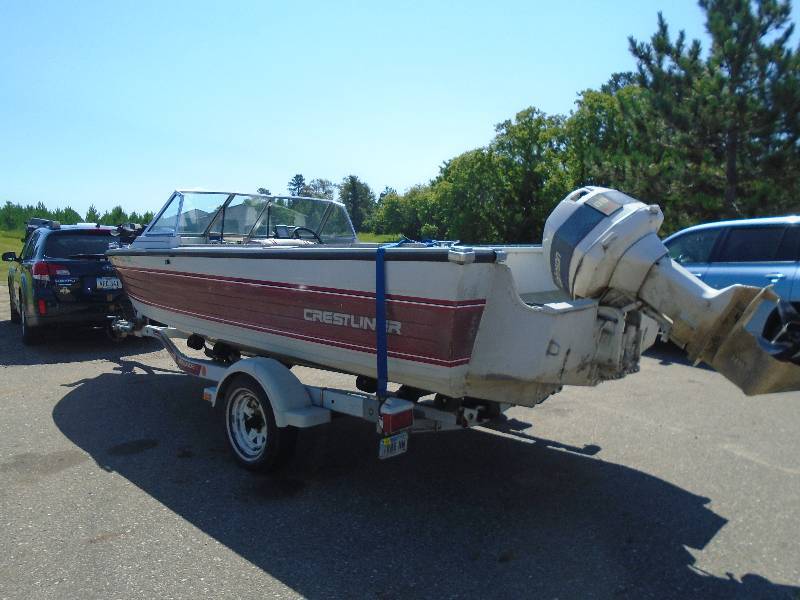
<point>63,278</point>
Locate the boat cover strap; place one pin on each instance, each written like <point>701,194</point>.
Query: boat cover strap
<point>380,316</point>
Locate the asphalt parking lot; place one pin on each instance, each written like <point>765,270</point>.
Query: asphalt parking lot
<point>115,482</point>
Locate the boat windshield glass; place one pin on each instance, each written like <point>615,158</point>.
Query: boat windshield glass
<point>238,217</point>
<point>284,215</point>
<point>189,213</point>
<point>222,216</point>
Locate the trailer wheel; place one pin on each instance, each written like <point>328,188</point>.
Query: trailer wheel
<point>257,442</point>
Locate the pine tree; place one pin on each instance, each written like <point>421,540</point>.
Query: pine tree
<point>296,184</point>
<point>92,216</point>
<point>734,113</point>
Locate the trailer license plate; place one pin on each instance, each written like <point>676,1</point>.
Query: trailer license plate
<point>108,283</point>
<point>393,445</point>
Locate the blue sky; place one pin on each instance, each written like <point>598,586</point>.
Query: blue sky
<point>121,102</point>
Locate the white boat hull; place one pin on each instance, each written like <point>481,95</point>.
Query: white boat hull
<point>456,329</point>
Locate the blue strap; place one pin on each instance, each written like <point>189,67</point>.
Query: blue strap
<point>380,316</point>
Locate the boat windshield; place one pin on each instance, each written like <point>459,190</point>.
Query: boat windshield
<point>221,216</point>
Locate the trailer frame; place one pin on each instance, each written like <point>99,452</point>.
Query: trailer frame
<point>295,405</point>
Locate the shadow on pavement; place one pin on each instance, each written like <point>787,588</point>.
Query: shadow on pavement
<point>668,353</point>
<point>67,346</point>
<point>462,514</point>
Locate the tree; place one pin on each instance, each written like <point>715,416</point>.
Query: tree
<point>115,217</point>
<point>409,214</point>
<point>386,192</point>
<point>359,200</point>
<point>264,191</point>
<point>67,216</point>
<point>616,139</point>
<point>318,188</point>
<point>11,216</point>
<point>296,185</point>
<point>734,114</point>
<point>505,191</point>
<point>92,216</point>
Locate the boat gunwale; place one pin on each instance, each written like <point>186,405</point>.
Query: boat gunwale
<point>482,255</point>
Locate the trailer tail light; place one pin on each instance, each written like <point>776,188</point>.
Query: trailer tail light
<point>42,271</point>
<point>396,414</point>
<point>42,307</point>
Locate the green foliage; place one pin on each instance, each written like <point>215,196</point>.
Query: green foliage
<point>9,242</point>
<point>296,185</point>
<point>92,216</point>
<point>14,216</point>
<point>705,137</point>
<point>318,188</point>
<point>502,192</point>
<point>408,214</point>
<point>379,238</point>
<point>730,119</point>
<point>359,200</point>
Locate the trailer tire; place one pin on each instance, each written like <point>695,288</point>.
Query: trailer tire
<point>257,443</point>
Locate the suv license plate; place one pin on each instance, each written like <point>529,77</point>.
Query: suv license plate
<point>393,445</point>
<point>109,283</point>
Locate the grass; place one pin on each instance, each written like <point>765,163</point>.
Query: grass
<point>365,236</point>
<point>9,241</point>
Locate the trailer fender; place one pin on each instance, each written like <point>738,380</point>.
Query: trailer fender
<point>288,397</point>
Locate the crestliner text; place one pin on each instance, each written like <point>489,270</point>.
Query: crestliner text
<point>345,320</point>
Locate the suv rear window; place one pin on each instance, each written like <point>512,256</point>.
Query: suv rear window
<point>751,244</point>
<point>65,245</point>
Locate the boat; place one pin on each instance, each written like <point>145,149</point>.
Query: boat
<point>286,277</point>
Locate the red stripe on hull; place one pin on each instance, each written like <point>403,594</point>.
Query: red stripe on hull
<point>312,288</point>
<point>431,331</point>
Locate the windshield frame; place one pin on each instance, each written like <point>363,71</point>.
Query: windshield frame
<point>230,196</point>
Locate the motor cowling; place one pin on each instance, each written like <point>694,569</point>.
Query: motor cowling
<point>591,232</point>
<point>599,240</point>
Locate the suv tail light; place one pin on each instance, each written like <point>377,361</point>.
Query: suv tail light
<point>43,270</point>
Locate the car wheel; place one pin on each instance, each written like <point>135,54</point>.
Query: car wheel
<point>258,444</point>
<point>13,307</point>
<point>30,335</point>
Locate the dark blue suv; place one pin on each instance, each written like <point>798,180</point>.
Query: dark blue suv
<point>63,277</point>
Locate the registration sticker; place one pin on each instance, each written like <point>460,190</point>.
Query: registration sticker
<point>109,283</point>
<point>393,445</point>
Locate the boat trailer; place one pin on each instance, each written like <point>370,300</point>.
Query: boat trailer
<point>265,403</point>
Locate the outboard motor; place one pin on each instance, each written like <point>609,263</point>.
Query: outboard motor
<point>599,241</point>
